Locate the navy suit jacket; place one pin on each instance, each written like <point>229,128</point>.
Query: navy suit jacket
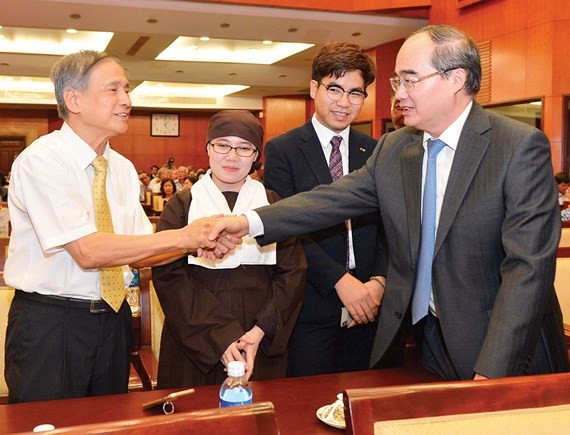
<point>294,162</point>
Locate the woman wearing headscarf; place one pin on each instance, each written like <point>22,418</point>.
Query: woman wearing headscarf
<point>244,306</point>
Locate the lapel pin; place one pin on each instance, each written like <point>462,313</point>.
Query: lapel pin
<point>362,150</point>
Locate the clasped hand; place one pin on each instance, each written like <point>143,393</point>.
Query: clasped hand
<point>215,236</point>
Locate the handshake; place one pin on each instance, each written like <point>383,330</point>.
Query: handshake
<point>215,236</point>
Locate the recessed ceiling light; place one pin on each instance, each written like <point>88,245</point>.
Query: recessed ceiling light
<point>52,41</point>
<point>204,38</point>
<point>149,90</point>
<point>282,76</point>
<point>234,51</point>
<point>71,31</point>
<point>75,16</point>
<point>224,25</point>
<point>179,71</point>
<point>292,30</point>
<point>232,74</point>
<point>267,42</point>
<point>152,21</point>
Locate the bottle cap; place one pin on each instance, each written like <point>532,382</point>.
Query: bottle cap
<point>236,368</point>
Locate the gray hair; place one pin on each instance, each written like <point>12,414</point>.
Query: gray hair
<point>454,49</point>
<point>73,72</point>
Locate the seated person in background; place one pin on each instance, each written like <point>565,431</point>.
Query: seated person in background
<point>182,174</point>
<point>162,174</point>
<point>200,173</point>
<point>243,307</point>
<point>563,182</point>
<point>188,182</point>
<point>144,181</point>
<point>3,187</point>
<point>167,189</point>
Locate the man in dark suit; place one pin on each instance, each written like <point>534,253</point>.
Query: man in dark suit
<point>491,309</point>
<point>341,258</point>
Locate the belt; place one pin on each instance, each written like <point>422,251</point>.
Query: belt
<point>94,306</point>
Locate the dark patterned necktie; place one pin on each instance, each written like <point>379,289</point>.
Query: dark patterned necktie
<point>335,167</point>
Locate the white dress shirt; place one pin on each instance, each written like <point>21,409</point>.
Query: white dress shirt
<point>51,204</point>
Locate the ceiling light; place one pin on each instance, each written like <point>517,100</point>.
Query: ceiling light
<point>148,89</point>
<point>224,25</point>
<point>51,41</point>
<point>230,51</point>
<point>152,21</point>
<point>267,42</point>
<point>204,38</point>
<point>71,31</point>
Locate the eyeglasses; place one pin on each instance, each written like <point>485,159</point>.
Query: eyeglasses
<point>242,151</point>
<point>409,84</point>
<point>335,93</point>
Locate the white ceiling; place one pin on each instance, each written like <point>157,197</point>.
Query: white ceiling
<point>128,19</point>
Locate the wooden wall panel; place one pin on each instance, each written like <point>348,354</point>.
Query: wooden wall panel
<point>282,114</point>
<point>538,64</point>
<point>509,61</point>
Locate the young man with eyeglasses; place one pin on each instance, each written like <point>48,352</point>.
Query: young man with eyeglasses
<point>341,258</point>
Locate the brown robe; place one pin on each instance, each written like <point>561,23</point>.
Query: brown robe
<point>206,310</point>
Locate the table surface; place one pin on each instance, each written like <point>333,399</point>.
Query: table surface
<point>296,401</point>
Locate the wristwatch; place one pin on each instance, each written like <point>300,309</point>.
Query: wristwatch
<point>379,279</point>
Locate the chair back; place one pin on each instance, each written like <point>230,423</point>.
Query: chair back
<point>6,296</point>
<point>258,418</point>
<point>366,406</point>
<point>564,238</point>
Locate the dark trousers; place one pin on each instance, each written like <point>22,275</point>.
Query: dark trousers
<point>435,356</point>
<point>57,352</point>
<point>321,348</point>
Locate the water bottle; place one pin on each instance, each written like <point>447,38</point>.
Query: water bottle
<point>235,389</point>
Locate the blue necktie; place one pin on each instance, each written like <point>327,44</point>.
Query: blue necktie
<point>423,284</point>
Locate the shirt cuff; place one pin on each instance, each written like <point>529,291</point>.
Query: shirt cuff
<point>255,224</point>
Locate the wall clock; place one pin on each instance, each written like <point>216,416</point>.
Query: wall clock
<point>165,124</point>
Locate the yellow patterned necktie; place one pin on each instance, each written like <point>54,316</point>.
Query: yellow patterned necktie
<point>112,282</point>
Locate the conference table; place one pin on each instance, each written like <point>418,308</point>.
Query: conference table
<point>296,401</point>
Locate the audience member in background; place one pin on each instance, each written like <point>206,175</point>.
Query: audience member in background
<point>346,261</point>
<point>188,183</point>
<point>162,174</point>
<point>67,336</point>
<point>200,173</point>
<point>565,214</point>
<point>153,171</point>
<point>182,174</point>
<point>563,182</point>
<point>167,189</point>
<point>396,113</point>
<point>240,308</point>
<point>3,187</point>
<point>144,181</point>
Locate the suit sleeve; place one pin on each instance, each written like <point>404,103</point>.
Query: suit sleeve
<point>529,237</point>
<point>279,314</point>
<point>202,326</point>
<point>323,271</point>
<point>326,205</point>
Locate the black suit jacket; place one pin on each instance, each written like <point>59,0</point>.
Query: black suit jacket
<point>294,162</point>
<point>495,250</point>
